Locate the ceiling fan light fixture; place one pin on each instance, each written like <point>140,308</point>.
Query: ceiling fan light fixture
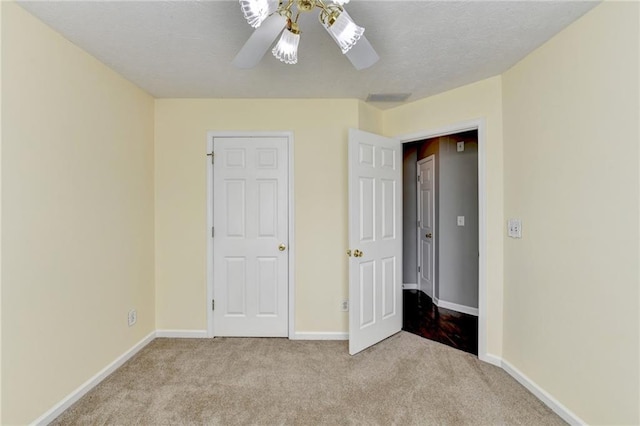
<point>344,31</point>
<point>256,11</point>
<point>273,18</point>
<point>286,50</point>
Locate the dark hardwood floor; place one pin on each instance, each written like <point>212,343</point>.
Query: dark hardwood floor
<point>422,317</point>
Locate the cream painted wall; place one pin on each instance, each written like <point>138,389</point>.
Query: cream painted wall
<point>77,216</point>
<point>481,100</point>
<point>370,118</point>
<point>571,141</point>
<point>320,129</point>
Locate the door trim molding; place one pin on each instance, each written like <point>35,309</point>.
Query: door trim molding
<point>480,126</point>
<point>290,202</point>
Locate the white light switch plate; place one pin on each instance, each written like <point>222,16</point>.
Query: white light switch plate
<point>460,220</point>
<point>514,228</point>
<point>460,146</point>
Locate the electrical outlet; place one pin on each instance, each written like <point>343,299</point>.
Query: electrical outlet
<point>344,306</point>
<point>132,317</point>
<point>514,228</point>
<point>460,146</point>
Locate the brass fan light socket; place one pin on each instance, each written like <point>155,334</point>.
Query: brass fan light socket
<point>294,28</point>
<point>331,18</point>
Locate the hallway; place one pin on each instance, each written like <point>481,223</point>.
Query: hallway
<point>422,317</point>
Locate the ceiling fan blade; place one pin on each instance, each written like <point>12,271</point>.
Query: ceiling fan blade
<point>362,55</point>
<point>260,41</point>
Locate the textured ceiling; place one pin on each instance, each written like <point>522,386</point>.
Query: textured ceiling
<point>184,49</point>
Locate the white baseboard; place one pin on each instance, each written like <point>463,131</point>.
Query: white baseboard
<point>455,307</point>
<point>410,286</point>
<point>566,414</point>
<point>182,334</point>
<point>74,396</point>
<point>490,359</point>
<point>320,335</point>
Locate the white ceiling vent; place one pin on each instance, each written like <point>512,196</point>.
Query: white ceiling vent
<point>388,97</point>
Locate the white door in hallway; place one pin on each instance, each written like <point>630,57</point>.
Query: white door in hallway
<point>250,245</point>
<point>375,239</point>
<point>426,224</point>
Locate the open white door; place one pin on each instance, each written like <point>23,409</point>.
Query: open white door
<point>375,239</point>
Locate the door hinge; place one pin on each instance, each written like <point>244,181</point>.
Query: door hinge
<point>212,155</point>
<point>213,232</point>
<point>418,269</point>
<point>213,304</point>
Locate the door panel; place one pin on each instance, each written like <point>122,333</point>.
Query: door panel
<point>426,224</point>
<point>267,208</point>
<point>250,217</point>
<point>235,285</point>
<point>375,282</point>
<point>388,287</point>
<point>267,286</point>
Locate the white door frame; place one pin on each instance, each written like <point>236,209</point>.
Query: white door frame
<point>433,214</point>
<point>291,249</point>
<point>464,126</point>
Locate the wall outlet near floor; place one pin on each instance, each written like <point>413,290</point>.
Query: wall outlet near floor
<point>132,317</point>
<point>460,220</point>
<point>344,306</point>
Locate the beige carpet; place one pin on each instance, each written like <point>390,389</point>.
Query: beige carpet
<point>403,380</point>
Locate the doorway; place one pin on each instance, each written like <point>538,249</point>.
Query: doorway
<point>441,268</point>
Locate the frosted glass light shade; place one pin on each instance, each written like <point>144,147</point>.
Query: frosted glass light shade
<point>256,11</point>
<point>287,48</point>
<point>345,32</point>
<point>341,2</point>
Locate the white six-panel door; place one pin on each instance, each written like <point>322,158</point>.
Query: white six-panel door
<point>426,224</point>
<point>375,239</point>
<point>250,246</point>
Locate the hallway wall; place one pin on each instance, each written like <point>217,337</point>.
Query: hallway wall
<point>457,280</point>
<point>409,214</point>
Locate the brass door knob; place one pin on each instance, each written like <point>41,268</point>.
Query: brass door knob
<point>358,253</point>
<point>282,247</point>
<point>429,235</point>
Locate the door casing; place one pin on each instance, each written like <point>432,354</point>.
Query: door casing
<point>291,247</point>
<point>459,127</point>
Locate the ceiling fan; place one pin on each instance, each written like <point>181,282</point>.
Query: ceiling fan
<point>271,18</point>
